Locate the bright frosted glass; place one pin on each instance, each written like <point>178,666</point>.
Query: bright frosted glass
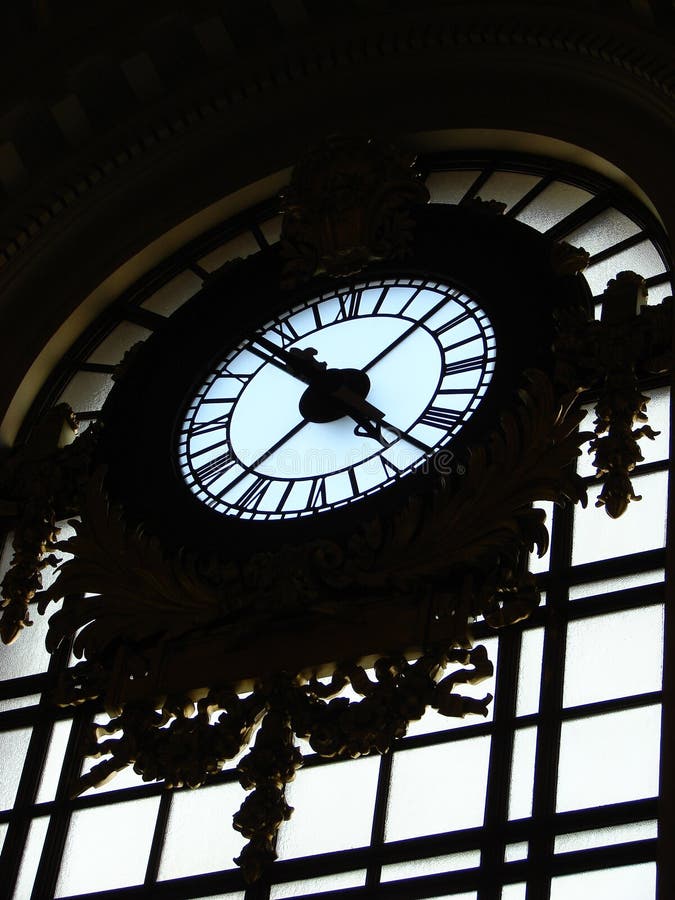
<point>28,654</point>
<point>241,246</point>
<point>107,847</point>
<point>174,294</point>
<point>189,850</point>
<point>339,880</point>
<point>597,651</point>
<point>529,671</point>
<point>112,349</point>
<point>52,767</point>
<point>604,837</point>
<point>554,203</point>
<point>643,258</point>
<point>522,773</point>
<point>13,747</point>
<point>450,187</point>
<point>438,789</point>
<point>603,231</point>
<point>538,564</point>
<point>625,883</point>
<point>507,187</point>
<point>87,391</point>
<point>658,292</point>
<point>31,858</point>
<point>609,758</point>
<point>514,891</point>
<point>437,865</point>
<point>347,790</point>
<point>18,702</point>
<point>514,852</point>
<point>641,527</point>
<point>620,583</point>
<point>3,832</point>
<point>433,721</point>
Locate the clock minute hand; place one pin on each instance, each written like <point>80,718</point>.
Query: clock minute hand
<point>298,363</point>
<point>406,334</point>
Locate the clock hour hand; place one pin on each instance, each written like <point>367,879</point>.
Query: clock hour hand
<point>370,420</point>
<point>298,363</point>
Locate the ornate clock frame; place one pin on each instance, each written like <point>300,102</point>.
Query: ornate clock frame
<point>178,611</point>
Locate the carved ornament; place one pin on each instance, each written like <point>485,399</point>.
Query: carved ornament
<point>348,203</point>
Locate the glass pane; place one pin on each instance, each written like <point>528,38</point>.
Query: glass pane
<point>603,837</point>
<point>603,231</point>
<point>643,258</point>
<point>522,773</point>
<point>554,203</point>
<point>125,778</point>
<point>3,831</point>
<point>438,789</point>
<point>659,292</point>
<point>241,246</point>
<point>214,844</point>
<point>432,721</point>
<point>28,654</point>
<point>87,391</point>
<point>597,650</point>
<point>609,758</point>
<point>174,294</point>
<point>620,583</point>
<point>13,747</point>
<point>18,702</point>
<point>538,564</point>
<point>107,847</point>
<point>112,348</point>
<point>52,767</point>
<point>450,187</point>
<point>453,862</point>
<point>347,789</point>
<point>31,858</point>
<point>641,527</point>
<point>514,891</point>
<point>529,672</point>
<point>337,881</point>
<point>514,852</point>
<point>624,883</point>
<point>507,187</point>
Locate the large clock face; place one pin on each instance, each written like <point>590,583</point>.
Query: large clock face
<point>336,399</point>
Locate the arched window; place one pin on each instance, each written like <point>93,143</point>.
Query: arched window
<point>554,794</point>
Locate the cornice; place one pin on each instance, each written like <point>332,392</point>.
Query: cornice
<point>108,126</point>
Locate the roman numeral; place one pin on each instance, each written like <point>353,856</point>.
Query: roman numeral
<point>285,332</point>
<point>216,424</point>
<point>349,306</point>
<point>460,366</point>
<point>453,323</point>
<point>380,300</point>
<point>254,493</point>
<point>438,417</point>
<point>317,493</point>
<point>215,468</point>
<point>390,470</point>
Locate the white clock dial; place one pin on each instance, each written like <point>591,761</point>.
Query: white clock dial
<point>336,399</point>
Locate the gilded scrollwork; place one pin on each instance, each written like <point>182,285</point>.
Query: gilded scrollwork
<point>348,203</point>
<point>182,741</point>
<point>609,356</point>
<point>41,482</point>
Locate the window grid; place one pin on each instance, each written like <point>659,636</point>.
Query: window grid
<point>492,838</point>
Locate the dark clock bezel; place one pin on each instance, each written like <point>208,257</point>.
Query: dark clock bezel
<point>518,290</point>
